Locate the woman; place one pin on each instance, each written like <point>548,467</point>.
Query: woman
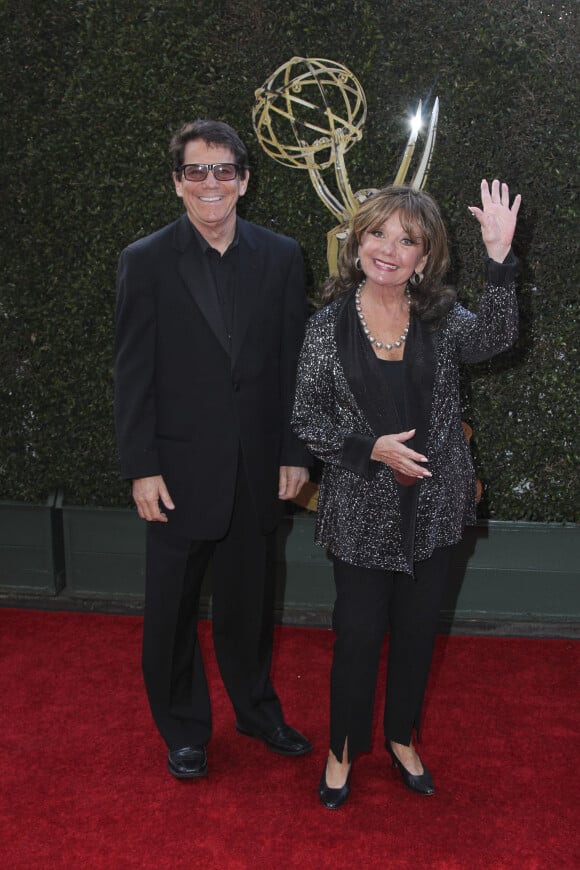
<point>378,402</point>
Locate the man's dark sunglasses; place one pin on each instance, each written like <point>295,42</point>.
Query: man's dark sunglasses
<point>199,171</point>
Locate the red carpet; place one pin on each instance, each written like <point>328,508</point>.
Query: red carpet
<point>84,783</point>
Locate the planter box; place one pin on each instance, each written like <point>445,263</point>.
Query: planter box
<point>104,552</point>
<point>504,572</point>
<point>517,571</point>
<point>303,571</point>
<point>105,558</point>
<point>31,548</point>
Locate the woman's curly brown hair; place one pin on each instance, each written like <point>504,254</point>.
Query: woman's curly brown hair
<point>420,218</point>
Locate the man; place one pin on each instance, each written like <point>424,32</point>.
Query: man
<point>210,319</point>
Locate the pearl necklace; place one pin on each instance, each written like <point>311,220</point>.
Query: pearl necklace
<point>380,344</point>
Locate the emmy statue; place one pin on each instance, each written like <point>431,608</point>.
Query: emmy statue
<point>308,114</point>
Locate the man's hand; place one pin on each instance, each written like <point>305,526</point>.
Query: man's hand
<point>147,493</point>
<point>291,480</point>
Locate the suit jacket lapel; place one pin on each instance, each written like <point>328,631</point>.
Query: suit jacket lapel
<point>195,272</point>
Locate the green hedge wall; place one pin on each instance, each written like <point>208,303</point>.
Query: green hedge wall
<point>91,94</point>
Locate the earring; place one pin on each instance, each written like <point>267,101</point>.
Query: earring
<point>357,263</point>
<point>416,279</point>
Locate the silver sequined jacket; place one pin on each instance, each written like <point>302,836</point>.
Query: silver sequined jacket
<point>342,406</point>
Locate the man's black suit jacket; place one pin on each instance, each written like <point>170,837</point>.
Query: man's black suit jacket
<point>184,403</point>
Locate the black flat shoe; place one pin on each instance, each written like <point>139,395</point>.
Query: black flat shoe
<point>187,762</point>
<point>333,798</point>
<point>422,784</point>
<point>283,740</point>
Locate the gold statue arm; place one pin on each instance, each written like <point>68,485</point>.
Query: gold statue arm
<point>327,197</point>
<point>409,149</point>
<point>334,238</point>
<point>339,147</point>
<point>420,178</point>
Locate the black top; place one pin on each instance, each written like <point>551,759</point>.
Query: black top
<point>224,271</point>
<point>392,372</point>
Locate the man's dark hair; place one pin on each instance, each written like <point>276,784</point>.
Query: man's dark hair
<point>212,133</point>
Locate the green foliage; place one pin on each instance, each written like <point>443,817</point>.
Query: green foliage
<point>93,90</point>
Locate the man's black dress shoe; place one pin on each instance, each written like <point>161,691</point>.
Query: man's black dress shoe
<point>284,740</point>
<point>333,798</point>
<point>422,784</point>
<point>187,762</point>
